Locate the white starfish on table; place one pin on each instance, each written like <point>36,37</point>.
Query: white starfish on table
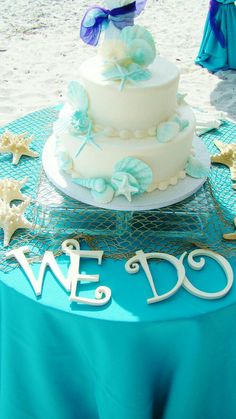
<point>231,236</point>
<point>227,156</point>
<point>10,189</point>
<point>17,144</point>
<point>12,218</point>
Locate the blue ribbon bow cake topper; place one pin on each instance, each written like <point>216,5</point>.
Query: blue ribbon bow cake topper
<point>98,18</point>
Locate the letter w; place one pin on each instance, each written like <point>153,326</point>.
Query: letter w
<point>48,260</point>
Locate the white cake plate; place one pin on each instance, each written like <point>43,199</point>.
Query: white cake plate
<point>147,201</point>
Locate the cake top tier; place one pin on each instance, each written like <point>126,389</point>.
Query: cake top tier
<point>162,73</point>
<point>126,49</point>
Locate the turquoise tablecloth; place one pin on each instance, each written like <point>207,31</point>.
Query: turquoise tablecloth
<point>129,360</point>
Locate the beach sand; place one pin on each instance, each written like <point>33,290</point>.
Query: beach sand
<point>40,52</point>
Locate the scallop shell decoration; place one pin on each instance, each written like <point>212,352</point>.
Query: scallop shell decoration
<point>64,160</point>
<point>77,97</point>
<point>137,169</point>
<point>183,123</point>
<point>140,44</point>
<point>195,168</point>
<point>101,190</point>
<point>166,131</point>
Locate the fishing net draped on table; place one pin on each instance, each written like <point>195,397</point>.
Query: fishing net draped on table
<point>198,220</point>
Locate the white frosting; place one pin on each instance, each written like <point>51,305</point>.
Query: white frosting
<point>167,160</point>
<point>125,125</point>
<point>140,106</point>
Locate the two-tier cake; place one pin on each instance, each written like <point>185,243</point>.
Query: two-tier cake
<point>124,129</point>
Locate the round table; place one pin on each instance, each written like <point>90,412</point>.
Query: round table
<point>129,360</point>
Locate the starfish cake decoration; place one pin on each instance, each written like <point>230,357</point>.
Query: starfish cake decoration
<point>231,236</point>
<point>227,156</point>
<point>12,218</point>
<point>88,138</point>
<point>133,73</point>
<point>10,190</point>
<point>124,187</point>
<point>17,144</point>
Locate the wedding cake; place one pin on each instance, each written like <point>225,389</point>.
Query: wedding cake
<point>124,129</point>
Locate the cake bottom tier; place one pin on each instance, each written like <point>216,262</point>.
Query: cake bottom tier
<point>97,158</point>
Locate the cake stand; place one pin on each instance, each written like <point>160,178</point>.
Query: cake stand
<point>147,201</point>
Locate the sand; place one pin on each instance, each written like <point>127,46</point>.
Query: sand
<point>40,51</point>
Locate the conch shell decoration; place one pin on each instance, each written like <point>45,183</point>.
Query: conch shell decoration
<point>17,144</point>
<point>12,217</point>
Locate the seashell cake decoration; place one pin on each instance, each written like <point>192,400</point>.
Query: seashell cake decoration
<point>168,130</point>
<point>195,168</point>
<point>78,100</point>
<point>12,217</point>
<point>127,57</point>
<point>101,190</point>
<point>17,145</point>
<point>130,177</point>
<point>139,44</point>
<point>138,176</point>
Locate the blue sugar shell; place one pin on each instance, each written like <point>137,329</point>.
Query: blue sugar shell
<point>130,33</point>
<point>101,190</point>
<point>140,44</point>
<point>97,184</point>
<point>80,122</point>
<point>183,123</point>
<point>167,131</point>
<point>77,97</point>
<point>103,197</point>
<point>136,168</point>
<point>64,160</point>
<point>195,168</point>
<point>141,52</point>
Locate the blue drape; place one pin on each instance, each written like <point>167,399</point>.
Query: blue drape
<point>211,54</point>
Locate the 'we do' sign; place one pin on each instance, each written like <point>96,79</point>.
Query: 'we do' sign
<point>70,282</point>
